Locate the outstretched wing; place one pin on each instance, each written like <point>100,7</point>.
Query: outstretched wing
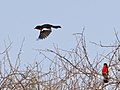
<point>44,34</point>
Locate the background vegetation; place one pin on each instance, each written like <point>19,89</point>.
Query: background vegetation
<point>68,69</point>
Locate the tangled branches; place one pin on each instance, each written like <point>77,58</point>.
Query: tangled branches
<point>68,70</point>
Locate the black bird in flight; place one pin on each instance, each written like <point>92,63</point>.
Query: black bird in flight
<point>45,30</point>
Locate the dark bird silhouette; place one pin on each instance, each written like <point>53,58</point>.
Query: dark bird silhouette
<point>119,57</point>
<point>105,72</point>
<point>45,30</point>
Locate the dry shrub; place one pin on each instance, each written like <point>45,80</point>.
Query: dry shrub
<point>68,70</point>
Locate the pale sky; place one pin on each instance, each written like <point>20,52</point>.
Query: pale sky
<point>18,19</point>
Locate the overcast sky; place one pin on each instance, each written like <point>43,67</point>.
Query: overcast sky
<point>18,19</point>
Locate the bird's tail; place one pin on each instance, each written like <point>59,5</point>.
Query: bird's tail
<point>105,79</point>
<point>56,27</point>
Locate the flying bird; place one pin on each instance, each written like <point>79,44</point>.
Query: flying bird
<point>45,30</point>
<point>105,72</point>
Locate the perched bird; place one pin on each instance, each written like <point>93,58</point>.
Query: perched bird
<point>45,30</point>
<point>105,72</point>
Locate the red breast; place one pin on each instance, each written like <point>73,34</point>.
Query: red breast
<point>104,70</point>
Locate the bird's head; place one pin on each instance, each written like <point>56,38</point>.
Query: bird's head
<point>38,28</point>
<point>105,64</point>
